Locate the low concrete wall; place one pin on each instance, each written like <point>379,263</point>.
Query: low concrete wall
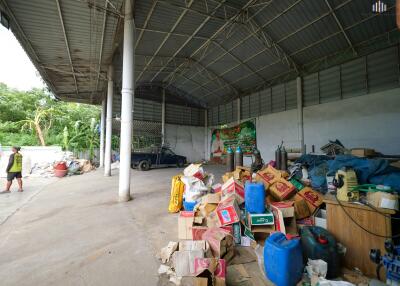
<point>31,155</point>
<point>186,141</point>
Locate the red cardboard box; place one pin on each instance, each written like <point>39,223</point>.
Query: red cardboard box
<point>268,176</point>
<point>185,224</point>
<point>313,198</point>
<point>233,187</point>
<point>200,264</point>
<point>228,211</point>
<point>282,189</point>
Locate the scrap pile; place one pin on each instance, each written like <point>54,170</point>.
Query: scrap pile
<point>64,164</point>
<point>276,208</point>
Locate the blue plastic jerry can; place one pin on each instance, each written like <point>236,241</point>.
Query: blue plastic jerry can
<point>283,260</point>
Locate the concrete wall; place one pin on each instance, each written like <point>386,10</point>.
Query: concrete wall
<point>365,121</point>
<point>371,120</point>
<point>186,141</point>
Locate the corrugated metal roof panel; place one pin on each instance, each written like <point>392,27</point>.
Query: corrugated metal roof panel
<point>354,78</point>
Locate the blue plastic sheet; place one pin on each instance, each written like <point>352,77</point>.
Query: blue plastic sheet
<point>372,171</point>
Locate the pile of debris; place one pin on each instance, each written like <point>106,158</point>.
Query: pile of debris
<point>73,166</point>
<point>220,220</point>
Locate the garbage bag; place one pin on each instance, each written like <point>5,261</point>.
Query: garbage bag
<point>177,190</point>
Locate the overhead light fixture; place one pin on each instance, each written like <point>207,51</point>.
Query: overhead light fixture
<point>4,20</point>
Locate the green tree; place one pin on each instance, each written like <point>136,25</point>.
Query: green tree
<point>44,119</point>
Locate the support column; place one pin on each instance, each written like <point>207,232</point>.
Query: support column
<point>127,105</point>
<point>238,110</point>
<point>102,125</point>
<point>110,95</point>
<point>300,114</point>
<point>163,118</point>
<point>206,154</point>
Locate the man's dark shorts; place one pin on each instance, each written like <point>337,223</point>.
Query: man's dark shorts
<point>13,175</point>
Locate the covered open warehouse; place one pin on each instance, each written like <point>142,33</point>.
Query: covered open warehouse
<point>181,73</point>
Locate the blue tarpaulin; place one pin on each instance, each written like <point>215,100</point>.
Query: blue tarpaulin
<point>372,171</point>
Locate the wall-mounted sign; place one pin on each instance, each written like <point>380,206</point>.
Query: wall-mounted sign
<point>243,135</point>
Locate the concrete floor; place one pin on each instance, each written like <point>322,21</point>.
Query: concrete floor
<point>72,231</point>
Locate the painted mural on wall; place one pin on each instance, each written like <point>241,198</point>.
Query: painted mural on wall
<point>243,135</point>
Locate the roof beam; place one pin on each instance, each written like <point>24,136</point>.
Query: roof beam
<point>168,59</point>
<point>313,21</point>
<point>216,33</point>
<point>248,36</point>
<point>146,22</point>
<point>193,35</point>
<point>166,38</point>
<point>341,27</point>
<point>67,44</point>
<point>101,47</point>
<point>251,24</point>
<point>171,34</point>
<point>320,41</point>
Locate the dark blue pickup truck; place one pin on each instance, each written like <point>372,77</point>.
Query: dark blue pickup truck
<point>160,157</point>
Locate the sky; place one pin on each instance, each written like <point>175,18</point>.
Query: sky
<point>16,69</point>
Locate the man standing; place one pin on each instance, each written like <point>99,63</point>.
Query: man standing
<point>14,169</point>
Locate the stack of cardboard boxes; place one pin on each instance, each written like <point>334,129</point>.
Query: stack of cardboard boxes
<point>209,233</point>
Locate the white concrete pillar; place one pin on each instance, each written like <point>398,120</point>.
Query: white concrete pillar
<point>206,154</point>
<point>102,125</point>
<point>163,118</point>
<point>238,110</point>
<point>127,104</point>
<point>110,95</point>
<point>300,114</point>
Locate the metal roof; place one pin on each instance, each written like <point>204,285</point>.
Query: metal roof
<point>204,51</point>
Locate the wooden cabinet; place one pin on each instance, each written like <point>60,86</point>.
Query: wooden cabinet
<point>357,241</point>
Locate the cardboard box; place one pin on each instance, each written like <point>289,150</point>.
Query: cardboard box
<point>228,211</point>
<point>286,208</point>
<point>296,184</point>
<point>383,200</point>
<point>221,243</point>
<point>266,218</point>
<point>282,189</point>
<point>212,219</point>
<point>183,261</point>
<point>262,229</point>
<point>242,174</point>
<point>362,152</point>
<point>211,198</point>
<point>194,170</point>
<point>313,198</point>
<point>185,224</point>
<point>233,187</point>
<point>208,204</point>
<point>268,176</point>
<point>301,209</point>
<point>215,265</point>
<point>285,225</point>
<point>308,221</point>
<point>217,188</point>
<point>197,232</point>
<point>320,218</point>
<point>188,245</point>
<point>227,176</point>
